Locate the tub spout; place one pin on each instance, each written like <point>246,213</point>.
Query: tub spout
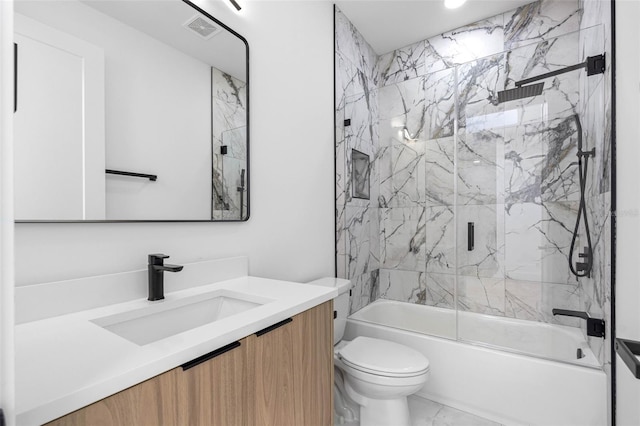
<point>595,326</point>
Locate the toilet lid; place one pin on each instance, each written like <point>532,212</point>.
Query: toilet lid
<point>383,358</point>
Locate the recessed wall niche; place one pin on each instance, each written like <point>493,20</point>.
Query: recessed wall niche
<point>360,174</point>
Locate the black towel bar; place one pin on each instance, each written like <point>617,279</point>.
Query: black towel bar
<point>629,350</point>
<point>141,175</point>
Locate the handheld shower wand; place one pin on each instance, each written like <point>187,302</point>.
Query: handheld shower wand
<point>241,191</point>
<point>582,269</point>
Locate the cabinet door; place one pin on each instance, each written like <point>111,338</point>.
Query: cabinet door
<point>271,376</point>
<point>213,392</point>
<point>291,375</point>
<point>150,403</point>
<point>313,364</point>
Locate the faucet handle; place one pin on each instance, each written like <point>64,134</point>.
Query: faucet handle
<point>157,259</point>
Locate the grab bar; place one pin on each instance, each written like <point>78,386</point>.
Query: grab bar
<point>141,175</point>
<point>629,351</point>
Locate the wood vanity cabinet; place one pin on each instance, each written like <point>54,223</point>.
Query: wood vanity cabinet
<point>282,375</point>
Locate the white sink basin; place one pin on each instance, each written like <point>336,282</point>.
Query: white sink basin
<point>167,318</point>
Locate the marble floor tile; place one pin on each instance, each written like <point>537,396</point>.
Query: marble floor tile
<point>429,413</point>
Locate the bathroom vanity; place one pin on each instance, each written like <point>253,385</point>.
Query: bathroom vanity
<point>222,348</point>
<point>277,376</point>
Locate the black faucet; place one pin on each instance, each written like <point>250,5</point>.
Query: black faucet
<point>156,275</point>
<point>595,326</point>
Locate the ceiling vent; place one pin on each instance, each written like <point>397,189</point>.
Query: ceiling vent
<point>204,28</point>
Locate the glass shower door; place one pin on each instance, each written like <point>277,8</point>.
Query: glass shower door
<point>518,195</point>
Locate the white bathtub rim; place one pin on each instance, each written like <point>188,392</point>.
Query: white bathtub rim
<point>588,361</point>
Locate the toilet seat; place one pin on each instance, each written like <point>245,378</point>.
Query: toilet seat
<point>382,358</point>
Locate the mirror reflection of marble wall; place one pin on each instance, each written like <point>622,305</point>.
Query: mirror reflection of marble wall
<point>229,131</point>
<point>159,99</point>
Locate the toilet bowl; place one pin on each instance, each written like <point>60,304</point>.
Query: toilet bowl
<point>374,374</point>
<point>378,376</point>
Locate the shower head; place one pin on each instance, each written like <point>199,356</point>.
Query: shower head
<point>520,92</point>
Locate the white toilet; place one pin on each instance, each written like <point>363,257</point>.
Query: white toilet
<point>376,374</point>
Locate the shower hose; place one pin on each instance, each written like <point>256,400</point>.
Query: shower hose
<point>582,269</point>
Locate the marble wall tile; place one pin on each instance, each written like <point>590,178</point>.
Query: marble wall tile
<point>340,159</point>
<point>480,39</point>
<point>402,238</point>
<point>481,161</point>
<point>354,48</point>
<point>374,244</point>
<point>404,103</point>
<point>439,172</point>
<point>440,290</point>
<point>559,174</point>
<point>358,240</point>
<point>561,296</point>
<point>364,291</point>
<point>439,109</point>
<point>561,93</point>
<point>534,301</point>
<point>523,165</point>
<point>523,300</point>
<point>396,155</point>
<point>341,240</point>
<point>382,170</point>
<point>350,80</point>
<point>523,242</point>
<point>361,110</point>
<point>481,295</point>
<point>487,259</point>
<point>540,162</point>
<point>540,20</point>
<point>402,64</point>
<point>407,175</point>
<point>596,134</point>
<point>556,228</point>
<point>404,286</point>
<point>440,240</point>
<point>591,43</point>
<point>594,288</point>
<point>478,82</point>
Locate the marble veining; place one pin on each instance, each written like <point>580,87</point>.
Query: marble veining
<point>402,64</point>
<point>229,129</point>
<point>540,20</point>
<point>444,153</point>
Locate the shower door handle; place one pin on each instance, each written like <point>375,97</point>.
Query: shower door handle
<point>470,236</point>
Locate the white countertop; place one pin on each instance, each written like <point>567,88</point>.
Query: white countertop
<point>66,362</point>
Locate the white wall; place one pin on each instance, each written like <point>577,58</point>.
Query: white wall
<point>628,198</point>
<point>7,375</point>
<point>290,234</point>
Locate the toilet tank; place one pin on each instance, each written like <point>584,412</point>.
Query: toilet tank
<point>340,304</point>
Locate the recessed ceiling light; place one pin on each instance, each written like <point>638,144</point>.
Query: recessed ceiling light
<point>453,4</point>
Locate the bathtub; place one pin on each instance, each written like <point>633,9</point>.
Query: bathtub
<point>504,385</point>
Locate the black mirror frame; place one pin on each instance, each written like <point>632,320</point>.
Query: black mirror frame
<point>248,190</point>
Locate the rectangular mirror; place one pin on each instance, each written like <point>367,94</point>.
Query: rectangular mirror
<point>129,111</point>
